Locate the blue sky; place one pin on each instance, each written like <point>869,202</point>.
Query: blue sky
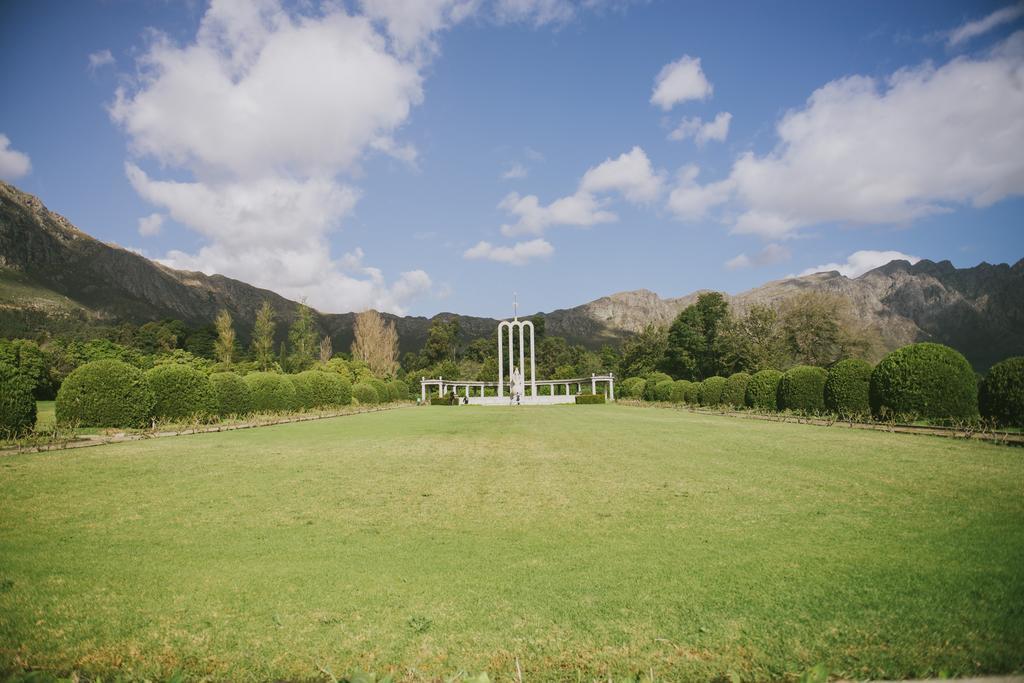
<point>438,155</point>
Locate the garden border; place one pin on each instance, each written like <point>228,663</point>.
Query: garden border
<point>87,440</point>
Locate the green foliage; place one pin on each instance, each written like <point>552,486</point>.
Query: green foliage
<point>398,390</point>
<point>763,390</point>
<point>652,381</point>
<point>692,393</point>
<point>180,391</point>
<point>735,392</point>
<point>589,399</point>
<point>632,387</point>
<point>679,389</point>
<point>847,388</point>
<point>105,393</point>
<point>710,392</point>
<point>441,401</point>
<point>692,350</point>
<point>303,386</point>
<point>271,392</point>
<point>303,338</point>
<point>643,352</point>
<point>924,381</point>
<point>182,357</point>
<point>32,362</point>
<point>442,341</point>
<point>367,395</point>
<point>802,389</point>
<point>231,394</point>
<point>754,341</point>
<point>381,387</point>
<point>263,336</point>
<point>663,390</point>
<point>820,328</point>
<point>17,404</point>
<point>1002,393</point>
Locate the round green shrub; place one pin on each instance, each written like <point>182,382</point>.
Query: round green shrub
<point>924,380</point>
<point>846,389</point>
<point>763,390</point>
<point>381,387</point>
<point>105,393</point>
<point>663,390</point>
<point>231,394</point>
<point>632,387</point>
<point>303,386</point>
<point>735,392</point>
<point>398,390</point>
<point>711,389</point>
<point>366,394</point>
<point>1002,393</point>
<point>181,392</point>
<point>650,385</point>
<point>271,392</point>
<point>17,402</point>
<point>679,388</point>
<point>692,393</point>
<point>802,389</point>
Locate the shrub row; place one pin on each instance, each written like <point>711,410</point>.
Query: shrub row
<point>17,403</point>
<point>589,399</point>
<point>920,381</point>
<point>110,393</point>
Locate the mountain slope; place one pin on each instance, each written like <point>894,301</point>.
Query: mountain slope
<point>51,272</point>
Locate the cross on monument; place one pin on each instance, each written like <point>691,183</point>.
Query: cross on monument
<point>515,306</point>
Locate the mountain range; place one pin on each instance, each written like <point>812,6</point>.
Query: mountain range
<point>54,277</point>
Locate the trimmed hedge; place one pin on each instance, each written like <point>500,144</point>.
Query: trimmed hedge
<point>632,387</point>
<point>271,392</point>
<point>303,385</point>
<point>802,388</point>
<point>710,393</point>
<point>847,387</point>
<point>763,390</point>
<point>231,394</point>
<point>692,393</point>
<point>735,392</point>
<point>17,402</point>
<point>663,390</point>
<point>651,383</point>
<point>924,380</point>
<point>367,395</point>
<point>589,399</point>
<point>381,387</point>
<point>329,389</point>
<point>679,388</point>
<point>105,393</point>
<point>398,390</point>
<point>1002,393</point>
<point>181,392</point>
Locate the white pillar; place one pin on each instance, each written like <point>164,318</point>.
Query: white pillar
<point>593,384</point>
<point>501,362</point>
<point>423,389</point>
<point>533,362</point>
<point>611,386</point>
<point>522,353</point>
<point>511,354</point>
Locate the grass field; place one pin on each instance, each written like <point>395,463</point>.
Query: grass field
<point>586,541</point>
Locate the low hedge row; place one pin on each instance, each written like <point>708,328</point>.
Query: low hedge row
<point>589,399</point>
<point>17,402</point>
<point>110,393</point>
<point>1001,395</point>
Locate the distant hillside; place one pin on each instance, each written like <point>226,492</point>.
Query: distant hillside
<point>53,276</point>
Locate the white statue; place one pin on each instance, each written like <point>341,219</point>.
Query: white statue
<point>516,385</point>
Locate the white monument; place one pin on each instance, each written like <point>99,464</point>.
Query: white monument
<point>511,326</point>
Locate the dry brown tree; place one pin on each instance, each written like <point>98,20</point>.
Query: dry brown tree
<point>375,343</point>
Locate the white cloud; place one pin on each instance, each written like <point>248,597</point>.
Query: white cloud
<point>769,255</point>
<point>411,24</point>
<point>515,172</point>
<point>630,174</point>
<point>581,210</point>
<point>536,12</point>
<point>266,108</point>
<point>680,81</point>
<point>973,29</point>
<point>13,164</point>
<point>860,262</point>
<point>701,132</point>
<point>518,254</point>
<point>924,141</point>
<point>151,225</point>
<point>99,59</point>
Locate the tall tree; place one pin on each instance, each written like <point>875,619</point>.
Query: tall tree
<point>442,341</point>
<point>376,343</point>
<point>263,337</point>
<point>754,341</point>
<point>821,328</point>
<point>303,339</point>
<point>326,349</point>
<point>225,346</point>
<point>642,352</point>
<point>692,352</point>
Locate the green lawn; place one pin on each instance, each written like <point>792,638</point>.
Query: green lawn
<point>582,540</point>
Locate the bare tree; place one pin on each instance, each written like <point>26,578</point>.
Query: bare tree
<point>376,343</point>
<point>326,349</point>
<point>225,346</point>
